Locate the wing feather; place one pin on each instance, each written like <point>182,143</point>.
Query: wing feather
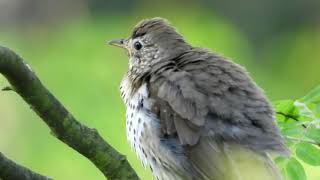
<point>219,115</point>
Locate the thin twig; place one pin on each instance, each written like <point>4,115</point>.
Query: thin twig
<point>7,88</point>
<point>309,141</point>
<point>291,117</point>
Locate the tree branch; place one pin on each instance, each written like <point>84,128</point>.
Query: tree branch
<point>9,170</point>
<point>63,125</point>
<point>288,116</point>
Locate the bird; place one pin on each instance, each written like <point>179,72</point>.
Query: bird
<point>192,114</point>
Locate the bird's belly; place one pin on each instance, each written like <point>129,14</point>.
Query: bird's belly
<point>143,134</point>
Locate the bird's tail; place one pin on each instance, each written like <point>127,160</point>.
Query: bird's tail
<point>228,161</point>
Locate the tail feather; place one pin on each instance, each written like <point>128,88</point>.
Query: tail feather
<point>229,161</point>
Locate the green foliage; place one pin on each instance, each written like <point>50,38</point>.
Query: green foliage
<point>294,170</point>
<point>308,153</point>
<point>299,122</point>
<point>314,134</point>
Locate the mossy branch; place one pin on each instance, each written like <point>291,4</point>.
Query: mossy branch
<point>9,170</point>
<point>63,125</point>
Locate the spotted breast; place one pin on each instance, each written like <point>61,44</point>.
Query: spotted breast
<point>144,135</point>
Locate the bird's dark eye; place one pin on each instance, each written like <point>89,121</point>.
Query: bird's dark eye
<point>137,45</point>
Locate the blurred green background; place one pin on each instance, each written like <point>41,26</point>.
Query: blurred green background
<point>64,42</point>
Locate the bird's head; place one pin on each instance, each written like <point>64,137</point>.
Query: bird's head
<point>152,41</point>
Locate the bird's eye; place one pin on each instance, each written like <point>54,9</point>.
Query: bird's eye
<point>137,45</point>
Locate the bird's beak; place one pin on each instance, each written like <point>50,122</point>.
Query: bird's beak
<point>119,42</point>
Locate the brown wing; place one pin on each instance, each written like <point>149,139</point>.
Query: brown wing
<point>202,94</point>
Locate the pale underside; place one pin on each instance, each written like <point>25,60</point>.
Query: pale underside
<point>166,158</point>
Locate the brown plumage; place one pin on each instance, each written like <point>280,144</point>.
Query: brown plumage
<point>196,115</point>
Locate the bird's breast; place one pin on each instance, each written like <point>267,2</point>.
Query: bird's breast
<point>142,126</point>
<point>144,135</point>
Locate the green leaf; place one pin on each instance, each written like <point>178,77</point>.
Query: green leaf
<point>313,96</point>
<point>284,105</point>
<point>295,170</point>
<point>281,161</point>
<point>304,111</point>
<point>292,129</point>
<point>314,134</point>
<point>286,110</point>
<point>317,109</point>
<point>308,153</point>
